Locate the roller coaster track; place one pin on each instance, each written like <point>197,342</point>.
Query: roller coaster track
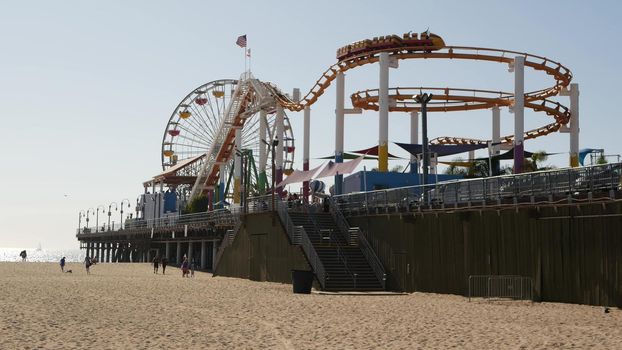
<point>252,95</point>
<point>536,100</point>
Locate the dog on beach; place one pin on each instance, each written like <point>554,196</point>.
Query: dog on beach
<point>68,271</point>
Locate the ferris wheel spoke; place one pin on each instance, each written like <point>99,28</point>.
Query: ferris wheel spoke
<point>211,121</point>
<point>193,140</point>
<point>197,125</point>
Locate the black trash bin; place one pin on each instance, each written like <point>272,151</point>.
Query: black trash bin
<point>302,281</point>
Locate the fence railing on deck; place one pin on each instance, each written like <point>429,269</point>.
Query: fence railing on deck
<point>221,217</point>
<point>541,186</point>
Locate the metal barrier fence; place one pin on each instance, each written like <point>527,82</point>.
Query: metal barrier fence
<point>542,186</point>
<point>224,217</point>
<point>500,287</point>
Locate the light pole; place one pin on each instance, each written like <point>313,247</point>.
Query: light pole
<point>97,217</point>
<point>110,212</point>
<point>81,214</point>
<point>423,99</point>
<point>87,216</point>
<point>128,205</point>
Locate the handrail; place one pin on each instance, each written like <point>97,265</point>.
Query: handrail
<point>372,258</point>
<point>341,221</point>
<point>227,240</point>
<point>313,258</point>
<point>286,220</point>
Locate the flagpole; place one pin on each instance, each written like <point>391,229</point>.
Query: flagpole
<point>248,54</point>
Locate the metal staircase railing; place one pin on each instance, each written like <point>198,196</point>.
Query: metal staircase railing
<point>293,232</point>
<point>313,258</point>
<point>227,240</point>
<point>341,221</point>
<point>298,236</point>
<point>372,258</point>
<point>355,236</point>
<point>227,123</point>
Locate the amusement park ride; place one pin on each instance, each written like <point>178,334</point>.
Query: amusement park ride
<point>216,119</point>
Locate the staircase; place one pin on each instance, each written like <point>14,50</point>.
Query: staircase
<point>222,146</point>
<point>345,265</point>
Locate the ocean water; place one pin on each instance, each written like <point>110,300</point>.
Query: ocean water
<point>43,255</point>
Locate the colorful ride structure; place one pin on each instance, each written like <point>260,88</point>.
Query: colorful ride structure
<point>208,130</point>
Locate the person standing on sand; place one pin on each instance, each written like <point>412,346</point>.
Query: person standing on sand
<point>184,267</point>
<point>87,264</point>
<point>62,264</point>
<point>156,264</point>
<point>22,254</point>
<point>164,263</point>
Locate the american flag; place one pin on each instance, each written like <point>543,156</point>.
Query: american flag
<point>241,42</point>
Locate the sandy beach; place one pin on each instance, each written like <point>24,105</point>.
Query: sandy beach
<point>126,306</point>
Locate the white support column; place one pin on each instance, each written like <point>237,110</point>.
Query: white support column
<point>305,150</point>
<point>471,156</point>
<point>190,255</point>
<point>263,154</point>
<point>519,113</point>
<point>496,129</point>
<point>383,113</point>
<point>222,172</point>
<point>167,250</point>
<point>237,166</point>
<point>574,125</point>
<point>280,126</point>
<point>203,256</point>
<point>339,126</point>
<point>214,252</point>
<point>414,139</point>
<point>178,257</point>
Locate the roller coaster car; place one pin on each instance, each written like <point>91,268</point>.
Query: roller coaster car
<point>428,42</point>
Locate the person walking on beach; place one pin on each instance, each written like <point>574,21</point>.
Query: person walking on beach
<point>192,265</point>
<point>184,267</point>
<point>62,264</point>
<point>22,254</point>
<point>164,263</point>
<point>87,264</point>
<point>156,264</point>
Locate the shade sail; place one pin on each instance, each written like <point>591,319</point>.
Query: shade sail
<point>458,163</point>
<point>373,151</point>
<point>439,150</point>
<point>299,176</point>
<point>332,169</point>
<point>349,156</point>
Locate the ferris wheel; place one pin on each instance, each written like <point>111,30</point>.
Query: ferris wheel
<point>195,122</point>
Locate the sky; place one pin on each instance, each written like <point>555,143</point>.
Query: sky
<point>87,87</point>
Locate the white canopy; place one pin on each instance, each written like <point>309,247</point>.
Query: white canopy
<point>333,169</point>
<point>299,176</point>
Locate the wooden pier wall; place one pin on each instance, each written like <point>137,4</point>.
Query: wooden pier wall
<point>261,252</point>
<point>573,253</point>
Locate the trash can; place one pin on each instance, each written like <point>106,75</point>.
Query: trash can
<point>302,281</point>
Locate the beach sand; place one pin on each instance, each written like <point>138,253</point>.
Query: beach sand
<point>126,306</point>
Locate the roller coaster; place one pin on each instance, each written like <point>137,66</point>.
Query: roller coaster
<point>196,150</point>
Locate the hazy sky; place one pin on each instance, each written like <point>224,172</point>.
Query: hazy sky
<point>87,87</point>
